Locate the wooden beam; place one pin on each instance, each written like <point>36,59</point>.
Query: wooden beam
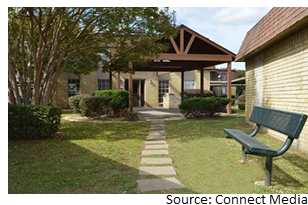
<point>130,89</point>
<point>192,57</point>
<point>209,41</point>
<point>229,87</point>
<point>182,40</point>
<point>174,45</point>
<point>201,82</point>
<point>192,38</point>
<point>182,85</point>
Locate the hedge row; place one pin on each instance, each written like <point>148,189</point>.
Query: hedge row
<point>33,121</point>
<point>89,106</point>
<point>196,93</point>
<point>202,107</point>
<point>94,106</point>
<point>119,98</point>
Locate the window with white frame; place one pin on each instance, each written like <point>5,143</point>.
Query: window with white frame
<point>73,87</point>
<point>163,87</point>
<point>103,84</point>
<point>189,84</point>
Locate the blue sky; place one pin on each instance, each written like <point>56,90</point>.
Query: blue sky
<point>226,26</point>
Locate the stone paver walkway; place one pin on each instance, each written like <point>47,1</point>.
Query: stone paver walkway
<point>154,165</point>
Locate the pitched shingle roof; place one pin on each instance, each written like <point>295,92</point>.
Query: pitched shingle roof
<point>277,21</point>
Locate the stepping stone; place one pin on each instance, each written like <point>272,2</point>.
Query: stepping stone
<point>157,132</point>
<point>169,170</point>
<point>150,137</point>
<point>157,128</point>
<point>159,184</point>
<point>154,152</point>
<point>162,126</point>
<point>156,161</point>
<point>156,142</point>
<point>164,146</point>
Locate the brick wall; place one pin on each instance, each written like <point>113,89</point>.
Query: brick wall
<point>206,79</point>
<point>278,79</point>
<point>150,90</point>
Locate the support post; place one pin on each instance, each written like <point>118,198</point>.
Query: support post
<point>182,85</point>
<point>110,80</point>
<point>201,82</point>
<point>268,170</point>
<point>139,92</point>
<point>244,155</point>
<point>229,87</point>
<point>119,76</point>
<point>130,88</point>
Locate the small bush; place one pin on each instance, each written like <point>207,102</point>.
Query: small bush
<point>196,93</point>
<point>241,106</point>
<point>202,107</point>
<point>241,99</point>
<point>94,106</point>
<point>33,121</point>
<point>131,117</point>
<point>119,98</point>
<point>74,102</point>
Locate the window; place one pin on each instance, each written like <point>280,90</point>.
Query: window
<point>223,77</point>
<point>224,91</point>
<point>103,84</point>
<point>189,84</point>
<point>73,87</point>
<point>162,89</point>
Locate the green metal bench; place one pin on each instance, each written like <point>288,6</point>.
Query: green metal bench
<point>288,123</point>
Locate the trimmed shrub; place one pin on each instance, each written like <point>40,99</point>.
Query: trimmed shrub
<point>94,106</point>
<point>241,106</point>
<point>196,93</point>
<point>119,98</point>
<point>202,107</point>
<point>74,102</point>
<point>241,98</point>
<point>33,121</point>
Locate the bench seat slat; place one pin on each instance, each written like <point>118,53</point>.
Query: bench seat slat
<point>250,143</point>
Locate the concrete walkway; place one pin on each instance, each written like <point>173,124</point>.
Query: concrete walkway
<point>156,153</point>
<point>157,112</point>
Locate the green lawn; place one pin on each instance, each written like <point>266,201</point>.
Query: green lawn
<point>104,158</point>
<point>208,163</point>
<point>82,158</point>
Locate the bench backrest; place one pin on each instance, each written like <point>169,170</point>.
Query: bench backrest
<point>288,123</point>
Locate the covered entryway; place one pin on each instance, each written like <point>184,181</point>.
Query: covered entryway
<point>187,51</point>
<point>138,92</point>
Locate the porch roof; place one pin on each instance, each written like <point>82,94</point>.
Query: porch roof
<point>187,51</point>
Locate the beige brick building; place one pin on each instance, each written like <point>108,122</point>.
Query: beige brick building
<point>148,87</point>
<point>277,65</point>
<point>183,66</point>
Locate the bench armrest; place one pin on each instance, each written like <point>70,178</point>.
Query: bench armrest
<point>285,147</point>
<point>255,131</point>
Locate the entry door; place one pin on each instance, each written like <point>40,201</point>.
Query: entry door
<point>138,92</point>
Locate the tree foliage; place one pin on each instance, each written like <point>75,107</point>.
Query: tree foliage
<point>43,42</point>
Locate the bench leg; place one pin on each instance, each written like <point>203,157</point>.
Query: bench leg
<point>244,155</point>
<point>268,170</point>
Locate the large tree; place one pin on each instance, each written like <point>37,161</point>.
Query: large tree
<point>43,42</point>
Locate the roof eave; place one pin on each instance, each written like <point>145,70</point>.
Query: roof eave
<point>296,27</point>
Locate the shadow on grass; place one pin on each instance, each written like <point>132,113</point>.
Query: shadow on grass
<point>54,166</point>
<point>59,168</point>
<point>297,161</point>
<point>108,131</point>
<point>282,177</point>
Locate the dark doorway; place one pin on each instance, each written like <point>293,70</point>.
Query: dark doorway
<point>138,92</point>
